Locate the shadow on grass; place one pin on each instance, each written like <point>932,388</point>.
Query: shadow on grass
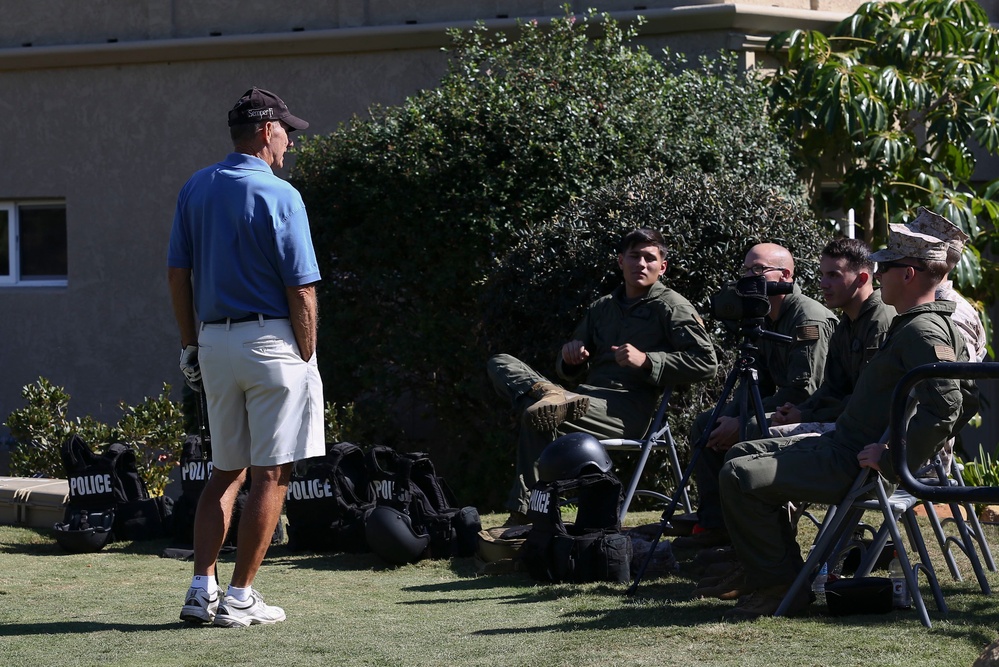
<point>46,545</point>
<point>81,628</point>
<point>342,561</point>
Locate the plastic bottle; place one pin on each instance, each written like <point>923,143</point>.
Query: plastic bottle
<point>819,582</point>
<point>899,587</point>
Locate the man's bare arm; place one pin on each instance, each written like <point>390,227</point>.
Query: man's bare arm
<point>182,297</point>
<point>304,309</point>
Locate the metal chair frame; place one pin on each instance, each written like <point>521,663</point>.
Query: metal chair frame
<point>835,536</point>
<point>657,437</point>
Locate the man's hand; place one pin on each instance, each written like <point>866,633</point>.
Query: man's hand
<point>629,356</point>
<point>870,456</point>
<point>190,367</point>
<point>574,353</point>
<point>724,435</point>
<point>786,414</point>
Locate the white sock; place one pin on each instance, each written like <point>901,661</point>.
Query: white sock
<point>205,581</point>
<point>241,594</point>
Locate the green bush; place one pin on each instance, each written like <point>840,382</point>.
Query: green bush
<point>42,426</point>
<point>154,428</point>
<point>413,206</point>
<point>983,471</point>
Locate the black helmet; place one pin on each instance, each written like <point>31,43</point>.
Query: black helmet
<point>572,455</point>
<point>86,532</point>
<point>390,534</point>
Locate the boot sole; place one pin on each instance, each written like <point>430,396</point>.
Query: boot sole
<point>544,416</point>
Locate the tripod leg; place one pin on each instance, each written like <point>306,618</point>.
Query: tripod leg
<point>695,454</point>
<point>761,414</point>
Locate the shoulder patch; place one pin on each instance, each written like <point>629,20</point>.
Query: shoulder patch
<point>807,332</point>
<point>944,353</point>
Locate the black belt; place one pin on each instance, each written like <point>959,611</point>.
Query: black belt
<point>249,318</point>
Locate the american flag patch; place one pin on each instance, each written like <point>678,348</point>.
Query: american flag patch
<point>808,332</point>
<point>944,353</point>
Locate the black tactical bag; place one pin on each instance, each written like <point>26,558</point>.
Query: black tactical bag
<point>408,482</point>
<point>328,500</point>
<point>592,548</point>
<point>109,484</point>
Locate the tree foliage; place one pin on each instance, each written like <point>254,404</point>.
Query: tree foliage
<point>896,104</point>
<point>413,205</point>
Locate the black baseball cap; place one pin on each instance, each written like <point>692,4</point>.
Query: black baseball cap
<point>258,105</point>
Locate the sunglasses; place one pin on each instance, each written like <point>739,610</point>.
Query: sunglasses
<point>886,266</point>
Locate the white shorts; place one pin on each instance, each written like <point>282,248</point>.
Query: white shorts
<point>265,405</point>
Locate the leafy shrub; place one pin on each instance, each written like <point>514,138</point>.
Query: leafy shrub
<point>42,426</point>
<point>341,423</point>
<point>412,206</point>
<point>154,428</point>
<point>984,471</point>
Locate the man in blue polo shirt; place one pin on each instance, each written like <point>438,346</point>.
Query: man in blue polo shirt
<point>241,262</point>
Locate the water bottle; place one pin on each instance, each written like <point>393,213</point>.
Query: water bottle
<point>899,587</point>
<point>819,582</point>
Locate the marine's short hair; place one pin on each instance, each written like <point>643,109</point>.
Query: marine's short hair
<point>642,237</point>
<point>856,253</point>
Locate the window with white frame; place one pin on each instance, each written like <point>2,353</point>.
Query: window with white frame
<point>33,243</point>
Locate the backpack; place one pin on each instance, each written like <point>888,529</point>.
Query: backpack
<point>329,500</point>
<point>110,484</point>
<point>409,484</point>
<point>593,548</point>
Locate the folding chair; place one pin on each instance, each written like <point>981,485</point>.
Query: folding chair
<point>839,525</point>
<point>970,538</point>
<point>658,437</point>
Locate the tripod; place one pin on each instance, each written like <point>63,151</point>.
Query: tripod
<point>743,373</point>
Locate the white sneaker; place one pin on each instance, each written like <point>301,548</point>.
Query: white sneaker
<point>200,607</point>
<point>254,611</point>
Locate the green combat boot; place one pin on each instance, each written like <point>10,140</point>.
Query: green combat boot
<point>554,406</point>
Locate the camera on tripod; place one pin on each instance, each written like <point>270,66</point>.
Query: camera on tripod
<point>746,298</point>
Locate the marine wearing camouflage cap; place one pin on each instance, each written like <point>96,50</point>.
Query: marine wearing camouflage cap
<point>903,241</point>
<point>939,227</point>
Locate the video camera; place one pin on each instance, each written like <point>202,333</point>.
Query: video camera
<point>746,298</point>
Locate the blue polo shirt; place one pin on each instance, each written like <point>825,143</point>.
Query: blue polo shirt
<point>245,235</point>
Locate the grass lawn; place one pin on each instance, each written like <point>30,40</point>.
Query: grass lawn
<point>120,607</point>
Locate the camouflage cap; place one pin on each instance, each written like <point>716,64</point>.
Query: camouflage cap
<point>904,242</point>
<point>937,226</point>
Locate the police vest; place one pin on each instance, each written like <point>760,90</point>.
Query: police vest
<point>592,548</point>
<point>110,483</point>
<point>195,469</point>
<point>409,483</point>
<point>328,500</point>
